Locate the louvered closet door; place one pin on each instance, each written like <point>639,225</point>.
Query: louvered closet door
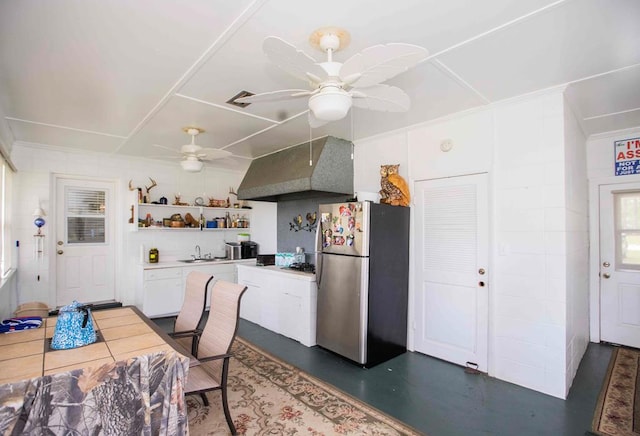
<point>452,280</point>
<point>85,241</point>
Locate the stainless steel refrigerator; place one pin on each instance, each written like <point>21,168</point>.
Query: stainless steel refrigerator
<point>362,272</point>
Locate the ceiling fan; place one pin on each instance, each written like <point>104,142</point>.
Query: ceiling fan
<point>193,155</point>
<point>337,86</point>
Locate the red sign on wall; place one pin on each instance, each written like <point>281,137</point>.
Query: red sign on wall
<point>627,155</point>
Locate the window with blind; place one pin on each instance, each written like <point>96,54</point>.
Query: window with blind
<point>627,229</point>
<point>85,216</point>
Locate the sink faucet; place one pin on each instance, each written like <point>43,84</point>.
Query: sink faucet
<point>197,252</point>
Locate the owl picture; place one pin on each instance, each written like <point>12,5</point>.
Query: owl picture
<point>395,190</point>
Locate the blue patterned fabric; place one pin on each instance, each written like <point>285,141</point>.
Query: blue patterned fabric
<point>20,323</point>
<point>74,327</point>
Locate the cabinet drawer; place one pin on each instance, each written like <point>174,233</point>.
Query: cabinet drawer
<point>162,273</point>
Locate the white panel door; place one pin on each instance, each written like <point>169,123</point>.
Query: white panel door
<point>620,264</point>
<point>85,253</point>
<point>451,254</point>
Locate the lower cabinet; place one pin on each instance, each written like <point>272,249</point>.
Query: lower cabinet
<point>162,292</point>
<point>163,288</point>
<point>280,301</point>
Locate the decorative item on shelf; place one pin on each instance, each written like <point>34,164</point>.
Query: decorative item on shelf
<point>236,204</point>
<point>217,203</point>
<point>163,200</point>
<point>176,220</point>
<point>38,238</point>
<point>395,190</point>
<point>296,224</point>
<point>177,201</point>
<point>143,198</point>
<point>190,221</point>
<point>199,201</point>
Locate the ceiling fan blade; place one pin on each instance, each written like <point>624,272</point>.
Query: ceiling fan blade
<point>166,148</point>
<point>291,60</point>
<point>283,94</point>
<point>381,98</point>
<point>315,122</point>
<point>176,157</point>
<point>212,154</point>
<point>381,62</point>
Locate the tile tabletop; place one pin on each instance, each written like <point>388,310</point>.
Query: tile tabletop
<point>123,333</point>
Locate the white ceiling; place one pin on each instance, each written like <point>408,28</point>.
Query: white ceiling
<point>120,76</point>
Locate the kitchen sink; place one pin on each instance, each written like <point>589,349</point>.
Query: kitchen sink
<point>198,260</point>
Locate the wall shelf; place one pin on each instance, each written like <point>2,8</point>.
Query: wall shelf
<point>139,211</point>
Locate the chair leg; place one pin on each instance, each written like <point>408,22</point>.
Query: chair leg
<point>204,398</point>
<point>227,414</point>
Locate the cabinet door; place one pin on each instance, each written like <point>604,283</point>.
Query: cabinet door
<point>225,271</point>
<point>162,297</point>
<point>290,317</point>
<point>250,303</point>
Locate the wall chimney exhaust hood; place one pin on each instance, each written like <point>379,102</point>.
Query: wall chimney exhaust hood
<point>287,175</point>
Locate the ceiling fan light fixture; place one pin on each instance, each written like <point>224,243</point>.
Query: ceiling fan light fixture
<point>192,165</point>
<point>330,105</point>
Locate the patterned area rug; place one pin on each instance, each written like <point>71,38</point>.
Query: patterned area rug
<point>269,396</point>
<point>618,409</point>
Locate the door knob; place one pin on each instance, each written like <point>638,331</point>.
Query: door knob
<point>606,264</point>
<point>60,242</point>
<point>606,275</point>
<point>481,284</point>
<point>481,271</point>
<point>60,251</point>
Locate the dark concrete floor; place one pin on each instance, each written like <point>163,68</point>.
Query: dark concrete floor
<point>440,399</point>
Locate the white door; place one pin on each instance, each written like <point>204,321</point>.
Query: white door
<point>451,254</point>
<point>85,250</point>
<point>620,264</point>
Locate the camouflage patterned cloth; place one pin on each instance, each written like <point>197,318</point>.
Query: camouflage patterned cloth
<point>141,396</point>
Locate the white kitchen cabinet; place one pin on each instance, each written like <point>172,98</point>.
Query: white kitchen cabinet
<point>162,288</point>
<point>222,271</point>
<point>281,301</point>
<point>162,292</point>
<point>250,303</point>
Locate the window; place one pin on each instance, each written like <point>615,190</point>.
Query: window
<point>6,246</point>
<point>85,216</point>
<point>627,229</point>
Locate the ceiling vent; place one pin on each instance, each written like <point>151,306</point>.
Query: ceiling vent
<point>241,94</point>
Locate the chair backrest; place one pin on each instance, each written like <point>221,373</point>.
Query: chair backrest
<point>195,300</point>
<point>222,324</point>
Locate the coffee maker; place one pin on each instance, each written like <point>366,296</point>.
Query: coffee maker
<point>248,250</point>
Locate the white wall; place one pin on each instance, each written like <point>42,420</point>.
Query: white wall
<point>537,320</point>
<point>577,244</point>
<point>33,183</point>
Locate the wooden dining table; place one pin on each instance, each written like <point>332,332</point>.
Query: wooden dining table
<point>130,379</point>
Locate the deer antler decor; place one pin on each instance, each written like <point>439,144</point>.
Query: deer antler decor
<point>153,184</point>
<point>148,188</point>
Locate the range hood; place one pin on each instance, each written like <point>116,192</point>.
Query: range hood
<point>287,175</point>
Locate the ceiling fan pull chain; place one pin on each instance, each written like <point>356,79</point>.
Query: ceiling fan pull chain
<point>351,125</point>
<point>310,149</point>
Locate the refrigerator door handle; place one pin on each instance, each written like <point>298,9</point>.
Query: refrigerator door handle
<point>318,254</point>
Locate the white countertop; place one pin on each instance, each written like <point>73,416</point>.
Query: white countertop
<point>272,269</point>
<point>178,264</point>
